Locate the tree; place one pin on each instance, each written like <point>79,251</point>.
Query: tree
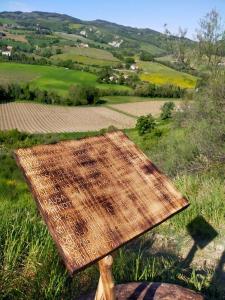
<point>77,95</point>
<point>167,110</point>
<point>92,94</point>
<point>210,36</point>
<point>82,95</point>
<point>204,127</point>
<point>105,74</point>
<point>145,124</point>
<point>58,51</point>
<point>146,56</point>
<point>47,52</point>
<point>178,44</point>
<point>129,60</point>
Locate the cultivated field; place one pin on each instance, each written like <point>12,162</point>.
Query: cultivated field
<point>39,118</point>
<point>89,56</point>
<point>50,77</point>
<point>132,99</point>
<point>141,108</point>
<point>159,74</point>
<point>15,37</point>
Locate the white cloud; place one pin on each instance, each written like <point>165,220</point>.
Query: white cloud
<point>18,6</point>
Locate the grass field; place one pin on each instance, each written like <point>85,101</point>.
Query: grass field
<point>50,77</point>
<point>88,56</point>
<point>7,21</point>
<point>159,74</point>
<point>75,26</point>
<point>154,50</point>
<point>165,58</point>
<point>76,38</point>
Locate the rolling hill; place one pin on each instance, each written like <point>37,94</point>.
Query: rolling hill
<point>50,77</point>
<point>58,39</point>
<point>99,31</point>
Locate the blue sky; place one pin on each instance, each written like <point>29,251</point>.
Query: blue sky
<point>138,13</point>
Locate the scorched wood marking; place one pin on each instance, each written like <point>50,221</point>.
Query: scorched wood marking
<point>96,194</point>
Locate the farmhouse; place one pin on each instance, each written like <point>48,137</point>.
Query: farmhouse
<point>221,64</point>
<point>7,51</point>
<point>82,45</point>
<point>115,44</point>
<point>84,33</point>
<point>134,67</point>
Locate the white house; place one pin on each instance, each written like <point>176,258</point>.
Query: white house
<point>115,44</point>
<point>84,33</point>
<point>6,53</point>
<point>82,45</point>
<point>134,67</point>
<point>221,64</point>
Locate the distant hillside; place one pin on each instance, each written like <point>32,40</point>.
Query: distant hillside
<point>98,31</point>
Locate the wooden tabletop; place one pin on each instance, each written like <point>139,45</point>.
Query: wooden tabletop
<point>96,194</point>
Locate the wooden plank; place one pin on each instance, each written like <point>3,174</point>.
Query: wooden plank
<point>97,194</point>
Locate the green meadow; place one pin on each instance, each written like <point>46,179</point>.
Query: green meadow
<point>50,77</point>
<point>87,56</point>
<point>77,38</point>
<point>75,26</point>
<point>154,50</point>
<point>159,74</point>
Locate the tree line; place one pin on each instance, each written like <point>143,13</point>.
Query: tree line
<point>81,94</point>
<point>77,94</point>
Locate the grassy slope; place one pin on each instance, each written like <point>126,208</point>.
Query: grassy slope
<point>49,77</point>
<point>75,38</point>
<point>29,264</point>
<point>88,56</point>
<point>75,26</point>
<point>154,50</point>
<point>165,58</point>
<point>160,74</point>
<point>7,21</point>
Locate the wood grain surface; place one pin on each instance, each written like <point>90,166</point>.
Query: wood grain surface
<point>96,194</point>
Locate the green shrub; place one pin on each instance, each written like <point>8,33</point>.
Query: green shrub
<point>167,110</point>
<point>145,124</point>
<point>82,95</point>
<point>164,91</point>
<point>146,56</point>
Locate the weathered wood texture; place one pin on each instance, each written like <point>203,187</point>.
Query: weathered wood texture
<point>106,286</point>
<point>96,194</point>
<point>150,291</point>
